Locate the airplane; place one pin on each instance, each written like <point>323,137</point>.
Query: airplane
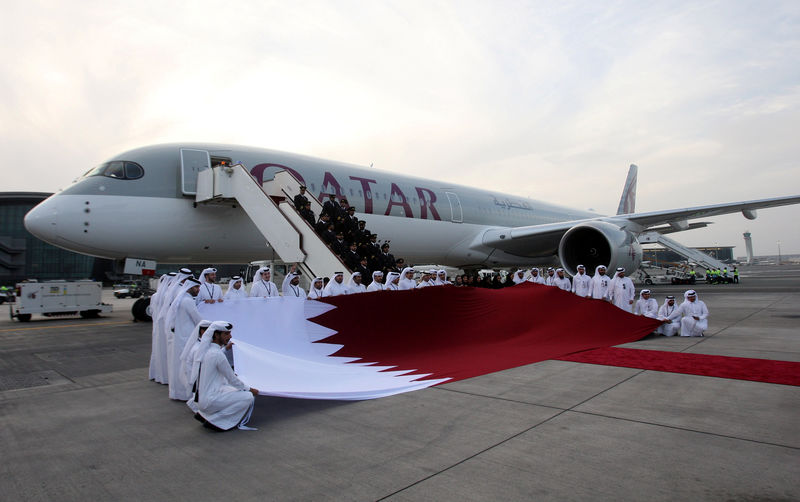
<point>141,204</point>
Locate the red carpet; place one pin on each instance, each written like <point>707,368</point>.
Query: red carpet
<point>738,368</point>
<point>460,333</point>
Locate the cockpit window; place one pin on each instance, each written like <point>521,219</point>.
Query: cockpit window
<point>118,169</point>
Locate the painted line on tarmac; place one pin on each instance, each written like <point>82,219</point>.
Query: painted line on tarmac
<point>66,326</point>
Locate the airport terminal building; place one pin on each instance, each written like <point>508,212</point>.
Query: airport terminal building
<point>23,256</point>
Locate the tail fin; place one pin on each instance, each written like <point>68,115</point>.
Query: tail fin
<point>627,203</point>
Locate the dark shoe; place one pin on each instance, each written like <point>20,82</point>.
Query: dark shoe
<point>199,418</point>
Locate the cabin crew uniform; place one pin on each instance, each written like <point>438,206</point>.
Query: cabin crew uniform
<point>664,312</point>
<point>621,292</point>
<point>582,285</point>
<point>687,312</point>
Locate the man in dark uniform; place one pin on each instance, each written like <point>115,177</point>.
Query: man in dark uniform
<point>366,274</point>
<point>331,207</point>
<point>322,225</point>
<point>329,235</point>
<point>339,246</point>
<point>350,225</point>
<point>307,213</point>
<point>300,200</point>
<point>351,257</point>
<point>386,259</point>
<point>362,234</point>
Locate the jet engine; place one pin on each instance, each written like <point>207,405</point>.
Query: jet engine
<point>599,243</point>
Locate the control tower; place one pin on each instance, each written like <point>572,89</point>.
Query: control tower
<point>748,242</point>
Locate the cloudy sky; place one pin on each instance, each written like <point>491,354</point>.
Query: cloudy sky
<point>551,100</point>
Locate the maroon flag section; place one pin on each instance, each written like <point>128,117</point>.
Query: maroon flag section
<point>459,333</point>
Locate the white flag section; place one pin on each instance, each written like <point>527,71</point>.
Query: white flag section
<point>274,352</point>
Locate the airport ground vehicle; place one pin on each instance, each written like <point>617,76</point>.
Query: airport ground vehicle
<point>58,298</point>
<point>126,290</point>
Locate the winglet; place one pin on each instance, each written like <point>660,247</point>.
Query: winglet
<point>627,203</point>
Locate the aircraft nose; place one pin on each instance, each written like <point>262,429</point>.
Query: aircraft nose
<point>41,220</point>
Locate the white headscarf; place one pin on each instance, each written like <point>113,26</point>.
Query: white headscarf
<point>231,283</point>
<point>334,288</point>
<point>516,278</point>
<point>406,283</point>
<point>356,288</point>
<point>203,346</point>
<point>318,292</point>
<point>391,276</point>
<point>444,281</point>
<point>287,287</point>
<point>375,285</point>
<point>690,292</point>
<point>161,290</point>
<point>172,292</point>
<point>202,278</point>
<point>172,313</point>
<point>191,342</point>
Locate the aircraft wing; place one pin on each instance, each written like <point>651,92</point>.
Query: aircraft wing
<point>546,237</point>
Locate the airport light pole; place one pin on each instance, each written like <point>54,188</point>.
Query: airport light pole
<point>779,252</point>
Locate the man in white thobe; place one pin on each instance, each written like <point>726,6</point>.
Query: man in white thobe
<point>236,290</point>
<point>156,372</point>
<point>209,291</point>
<point>407,279</point>
<point>645,305</point>
<point>317,289</point>
<point>562,282</point>
<point>189,351</point>
<point>336,286</point>
<point>262,286</point>
<point>392,281</point>
<point>377,282</point>
<point>693,314</point>
<point>670,327</point>
<point>355,285</point>
<point>518,277</point>
<point>181,320</point>
<point>441,277</point>
<point>291,286</point>
<point>536,277</point>
<point>425,281</point>
<point>223,400</point>
<point>550,280</point>
<point>600,283</point>
<point>582,283</point>
<point>621,291</point>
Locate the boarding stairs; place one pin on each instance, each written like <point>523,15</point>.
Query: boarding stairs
<point>693,255</point>
<point>268,206</point>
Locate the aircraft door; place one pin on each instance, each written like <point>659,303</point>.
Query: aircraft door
<point>456,215</point>
<point>192,162</point>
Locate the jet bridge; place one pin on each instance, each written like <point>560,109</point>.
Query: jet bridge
<point>268,206</point>
<point>702,259</point>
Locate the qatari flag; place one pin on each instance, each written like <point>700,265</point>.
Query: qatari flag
<point>377,344</point>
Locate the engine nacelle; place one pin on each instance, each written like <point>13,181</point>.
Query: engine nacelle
<point>599,243</point>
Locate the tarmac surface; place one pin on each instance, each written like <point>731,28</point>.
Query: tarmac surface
<point>79,420</point>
